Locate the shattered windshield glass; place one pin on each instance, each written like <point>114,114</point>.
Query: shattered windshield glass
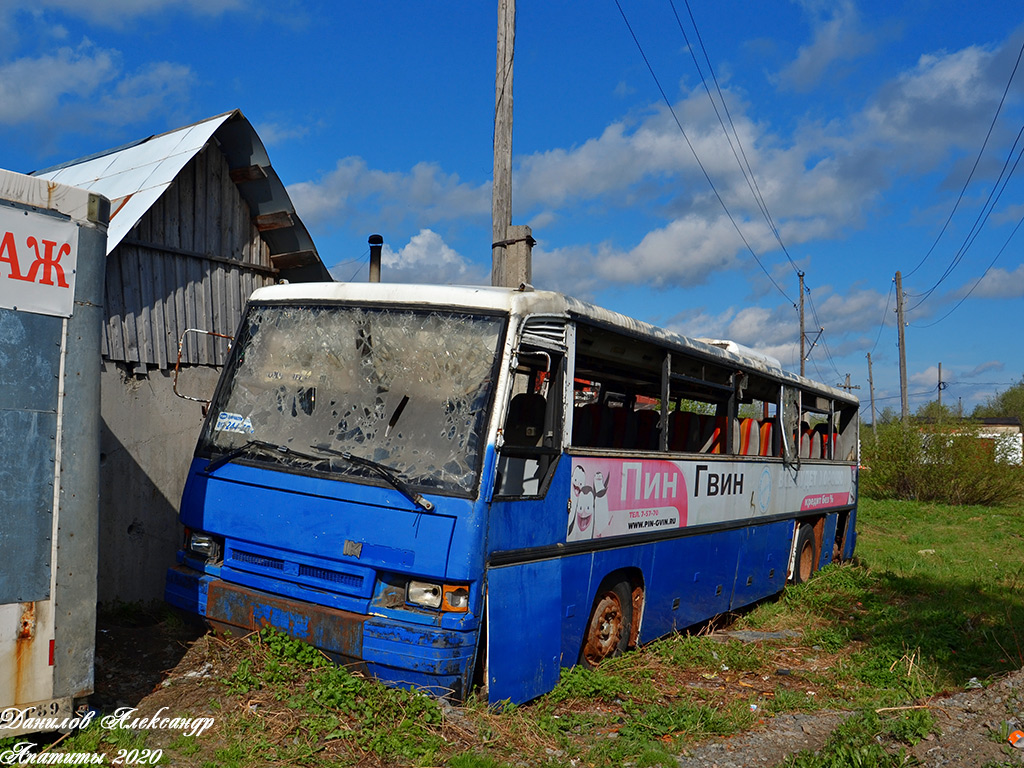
<point>406,389</point>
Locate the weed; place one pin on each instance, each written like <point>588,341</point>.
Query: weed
<point>582,683</point>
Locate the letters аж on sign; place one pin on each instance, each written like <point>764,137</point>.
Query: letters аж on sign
<point>38,258</point>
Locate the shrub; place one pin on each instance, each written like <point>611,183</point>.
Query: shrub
<point>945,462</point>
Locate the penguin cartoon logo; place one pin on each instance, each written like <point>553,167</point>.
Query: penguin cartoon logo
<point>588,506</point>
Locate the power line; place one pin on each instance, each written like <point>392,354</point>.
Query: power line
<point>824,344</point>
<point>707,177</point>
<point>977,160</point>
<point>978,281</point>
<point>980,220</point>
<point>885,314</point>
<point>744,164</point>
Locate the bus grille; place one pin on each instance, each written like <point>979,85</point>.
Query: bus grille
<point>261,561</point>
<point>294,571</point>
<point>347,579</point>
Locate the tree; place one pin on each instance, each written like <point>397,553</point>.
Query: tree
<point>933,411</point>
<point>1006,404</point>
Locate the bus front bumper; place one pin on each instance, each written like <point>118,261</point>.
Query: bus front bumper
<point>437,660</point>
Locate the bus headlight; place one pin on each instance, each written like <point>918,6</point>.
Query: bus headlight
<point>203,545</point>
<point>447,597</point>
<point>423,593</point>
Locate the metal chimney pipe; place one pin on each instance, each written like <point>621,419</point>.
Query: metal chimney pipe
<point>376,245</point>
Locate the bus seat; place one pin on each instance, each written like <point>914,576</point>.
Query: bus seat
<point>767,438</point>
<point>824,439</point>
<point>585,424</point>
<point>810,445</point>
<point>747,445</point>
<point>712,434</point>
<point>648,430</point>
<point>803,441</point>
<point>525,424</point>
<point>680,423</point>
<point>623,427</point>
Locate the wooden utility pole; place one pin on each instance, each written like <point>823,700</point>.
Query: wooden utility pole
<point>904,407</point>
<point>510,246</point>
<point>871,386</point>
<point>940,388</point>
<point>802,356</point>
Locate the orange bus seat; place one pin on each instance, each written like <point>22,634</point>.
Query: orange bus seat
<point>746,446</point>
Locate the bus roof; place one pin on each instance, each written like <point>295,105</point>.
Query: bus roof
<point>527,302</point>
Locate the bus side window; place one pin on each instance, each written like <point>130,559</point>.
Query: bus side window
<point>525,423</point>
<point>532,429</point>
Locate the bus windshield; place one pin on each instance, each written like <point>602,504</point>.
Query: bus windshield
<point>406,389</point>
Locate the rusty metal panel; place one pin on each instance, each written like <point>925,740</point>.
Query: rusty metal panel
<point>29,371</point>
<point>334,631</point>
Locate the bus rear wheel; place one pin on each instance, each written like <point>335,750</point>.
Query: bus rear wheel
<point>609,626</point>
<point>806,555</point>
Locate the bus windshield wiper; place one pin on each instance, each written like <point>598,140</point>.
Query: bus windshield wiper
<point>261,446</point>
<point>385,472</point>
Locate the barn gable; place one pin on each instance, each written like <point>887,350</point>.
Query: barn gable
<point>199,219</point>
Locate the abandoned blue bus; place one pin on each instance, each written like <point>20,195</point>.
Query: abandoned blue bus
<point>457,486</point>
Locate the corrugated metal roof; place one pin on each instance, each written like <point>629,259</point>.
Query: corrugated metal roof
<point>133,178</point>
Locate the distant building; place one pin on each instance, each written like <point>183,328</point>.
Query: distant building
<point>199,219</point>
<point>1005,438</point>
<point>1002,439</point>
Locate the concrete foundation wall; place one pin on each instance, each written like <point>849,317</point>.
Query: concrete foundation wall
<point>147,438</point>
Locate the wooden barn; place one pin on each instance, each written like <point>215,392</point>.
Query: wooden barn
<point>199,219</point>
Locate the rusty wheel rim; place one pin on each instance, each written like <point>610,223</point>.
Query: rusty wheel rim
<point>806,561</point>
<point>605,630</point>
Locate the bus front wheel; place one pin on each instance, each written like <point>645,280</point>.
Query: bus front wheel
<point>806,555</point>
<point>609,626</point>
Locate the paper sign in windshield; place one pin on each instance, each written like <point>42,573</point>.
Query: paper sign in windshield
<point>233,422</point>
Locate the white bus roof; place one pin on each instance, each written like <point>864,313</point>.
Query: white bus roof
<point>528,302</point>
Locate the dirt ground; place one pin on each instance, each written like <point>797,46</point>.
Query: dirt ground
<point>156,663</point>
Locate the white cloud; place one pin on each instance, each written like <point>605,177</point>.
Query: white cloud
<point>426,258</point>
<point>1000,283</point>
<point>31,89</point>
<point>423,195</point>
<point>278,132</point>
<point>87,85</point>
<point>838,36</point>
<point>115,12</point>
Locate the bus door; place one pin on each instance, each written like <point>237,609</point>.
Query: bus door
<point>527,522</point>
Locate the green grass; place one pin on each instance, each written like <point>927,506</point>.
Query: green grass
<point>933,599</point>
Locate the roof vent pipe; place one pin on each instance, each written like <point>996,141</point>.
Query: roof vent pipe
<point>376,244</point>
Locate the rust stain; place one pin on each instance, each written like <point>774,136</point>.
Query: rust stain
<point>23,650</point>
<point>638,608</point>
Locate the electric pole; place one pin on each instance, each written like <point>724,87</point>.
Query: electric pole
<point>940,388</point>
<point>871,386</point>
<point>800,274</point>
<point>510,246</point>
<point>904,408</point>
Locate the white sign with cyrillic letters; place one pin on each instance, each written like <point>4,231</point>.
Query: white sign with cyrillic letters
<point>38,257</point>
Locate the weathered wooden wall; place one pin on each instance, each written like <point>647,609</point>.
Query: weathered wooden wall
<point>190,262</point>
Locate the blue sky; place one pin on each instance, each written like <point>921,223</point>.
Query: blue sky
<point>860,121</point>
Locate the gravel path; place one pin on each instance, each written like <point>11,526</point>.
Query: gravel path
<point>968,733</point>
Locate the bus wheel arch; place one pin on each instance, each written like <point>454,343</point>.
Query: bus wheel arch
<point>805,554</point>
<point>613,625</point>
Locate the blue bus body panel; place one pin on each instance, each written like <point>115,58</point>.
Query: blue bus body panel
<point>850,541</point>
<point>524,609</point>
<point>317,516</point>
<point>763,562</point>
<point>313,556</point>
<point>690,582</point>
<point>828,540</point>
